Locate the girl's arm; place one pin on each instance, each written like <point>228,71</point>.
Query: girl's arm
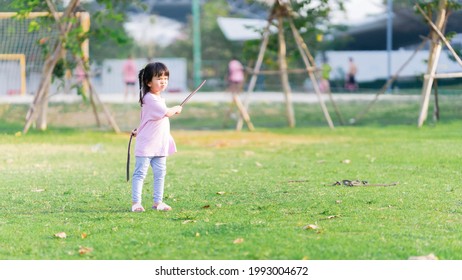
<point>173,111</point>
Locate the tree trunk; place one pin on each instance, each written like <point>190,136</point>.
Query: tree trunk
<point>43,109</point>
<point>433,58</point>
<point>284,76</point>
<point>41,94</point>
<point>50,63</point>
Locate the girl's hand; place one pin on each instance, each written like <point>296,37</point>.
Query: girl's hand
<point>134,132</point>
<point>174,111</point>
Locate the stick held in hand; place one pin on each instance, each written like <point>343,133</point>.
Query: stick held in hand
<point>128,155</point>
<point>192,93</point>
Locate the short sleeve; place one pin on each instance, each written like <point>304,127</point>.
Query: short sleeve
<point>154,108</point>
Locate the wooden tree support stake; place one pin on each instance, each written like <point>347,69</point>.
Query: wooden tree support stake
<point>40,102</point>
<point>281,11</point>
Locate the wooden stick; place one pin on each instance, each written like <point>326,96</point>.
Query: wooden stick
<point>5,15</point>
<point>283,70</point>
<point>192,93</point>
<point>278,72</point>
<point>440,34</point>
<point>434,56</point>
<point>96,97</point>
<point>390,81</point>
<point>243,112</point>
<point>444,75</point>
<point>253,79</point>
<point>94,107</point>
<point>303,49</point>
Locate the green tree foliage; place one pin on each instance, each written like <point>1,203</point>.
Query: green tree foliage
<point>431,8</point>
<point>312,20</point>
<point>452,4</point>
<point>107,36</point>
<point>310,17</point>
<point>215,47</point>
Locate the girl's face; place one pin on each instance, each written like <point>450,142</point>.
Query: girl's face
<point>158,84</point>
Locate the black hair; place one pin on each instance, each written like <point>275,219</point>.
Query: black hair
<point>153,69</point>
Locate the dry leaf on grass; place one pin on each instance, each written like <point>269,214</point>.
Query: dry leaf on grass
<point>220,144</point>
<point>310,227</point>
<point>427,257</point>
<point>205,206</point>
<point>221,193</point>
<point>332,217</point>
<point>83,235</point>
<point>188,221</point>
<point>85,250</point>
<point>238,241</point>
<point>61,235</point>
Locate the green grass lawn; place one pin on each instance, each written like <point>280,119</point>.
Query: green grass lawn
<point>237,195</point>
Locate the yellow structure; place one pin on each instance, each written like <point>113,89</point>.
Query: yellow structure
<point>85,24</point>
<point>22,65</point>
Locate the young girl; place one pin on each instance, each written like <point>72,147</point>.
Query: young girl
<point>153,140</point>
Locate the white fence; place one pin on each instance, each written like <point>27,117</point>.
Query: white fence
<point>373,65</point>
<point>107,78</point>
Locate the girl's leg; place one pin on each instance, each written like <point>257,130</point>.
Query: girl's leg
<point>159,170</point>
<point>141,169</point>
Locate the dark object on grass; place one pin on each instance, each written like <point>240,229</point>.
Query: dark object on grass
<point>358,183</point>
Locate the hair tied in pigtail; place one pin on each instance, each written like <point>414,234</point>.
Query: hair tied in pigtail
<point>141,81</point>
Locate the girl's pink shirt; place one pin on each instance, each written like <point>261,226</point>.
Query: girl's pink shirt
<point>153,137</point>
